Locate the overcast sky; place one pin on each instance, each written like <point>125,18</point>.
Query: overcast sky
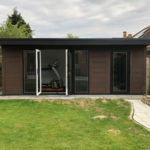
<point>85,18</point>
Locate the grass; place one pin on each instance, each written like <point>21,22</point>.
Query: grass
<point>70,125</point>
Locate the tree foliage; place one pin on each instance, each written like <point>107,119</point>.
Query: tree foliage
<point>17,19</point>
<point>71,36</point>
<point>8,30</point>
<point>15,27</point>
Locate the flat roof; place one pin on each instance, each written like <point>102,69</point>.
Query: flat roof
<point>73,42</point>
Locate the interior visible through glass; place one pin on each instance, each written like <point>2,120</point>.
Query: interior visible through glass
<point>53,71</point>
<point>81,71</point>
<point>120,72</point>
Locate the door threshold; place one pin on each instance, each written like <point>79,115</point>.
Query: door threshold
<point>53,93</point>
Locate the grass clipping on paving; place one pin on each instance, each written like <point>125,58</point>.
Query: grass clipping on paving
<point>78,124</point>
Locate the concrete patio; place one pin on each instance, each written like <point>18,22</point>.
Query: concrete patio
<point>140,113</point>
<point>132,97</point>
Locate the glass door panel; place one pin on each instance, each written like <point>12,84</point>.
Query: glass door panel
<point>81,71</point>
<point>120,72</point>
<point>29,72</point>
<point>70,69</point>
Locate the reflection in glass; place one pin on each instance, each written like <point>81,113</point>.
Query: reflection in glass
<point>120,72</point>
<point>29,71</point>
<point>81,71</point>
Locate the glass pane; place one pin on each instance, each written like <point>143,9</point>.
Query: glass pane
<point>81,71</point>
<point>29,71</point>
<point>120,72</point>
<point>70,72</point>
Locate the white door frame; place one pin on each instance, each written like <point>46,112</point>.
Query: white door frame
<point>38,72</point>
<point>66,68</point>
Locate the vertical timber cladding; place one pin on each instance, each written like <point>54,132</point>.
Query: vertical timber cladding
<point>12,71</point>
<point>99,71</point>
<point>138,70</point>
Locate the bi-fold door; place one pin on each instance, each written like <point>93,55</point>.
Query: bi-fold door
<point>38,72</point>
<point>78,72</point>
<point>32,72</point>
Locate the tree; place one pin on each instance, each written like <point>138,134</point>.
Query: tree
<point>18,22</point>
<point>8,30</point>
<point>71,36</point>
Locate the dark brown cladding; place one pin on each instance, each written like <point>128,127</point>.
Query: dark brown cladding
<point>137,70</point>
<point>12,71</point>
<point>100,67</point>
<point>99,71</point>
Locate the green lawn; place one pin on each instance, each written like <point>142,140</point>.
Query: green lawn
<point>79,124</point>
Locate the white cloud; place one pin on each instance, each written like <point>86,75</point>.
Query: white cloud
<point>86,18</point>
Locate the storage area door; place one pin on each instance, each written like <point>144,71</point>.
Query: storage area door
<point>38,72</point>
<point>120,72</point>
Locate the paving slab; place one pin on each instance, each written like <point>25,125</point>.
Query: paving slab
<point>133,97</point>
<point>140,113</point>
